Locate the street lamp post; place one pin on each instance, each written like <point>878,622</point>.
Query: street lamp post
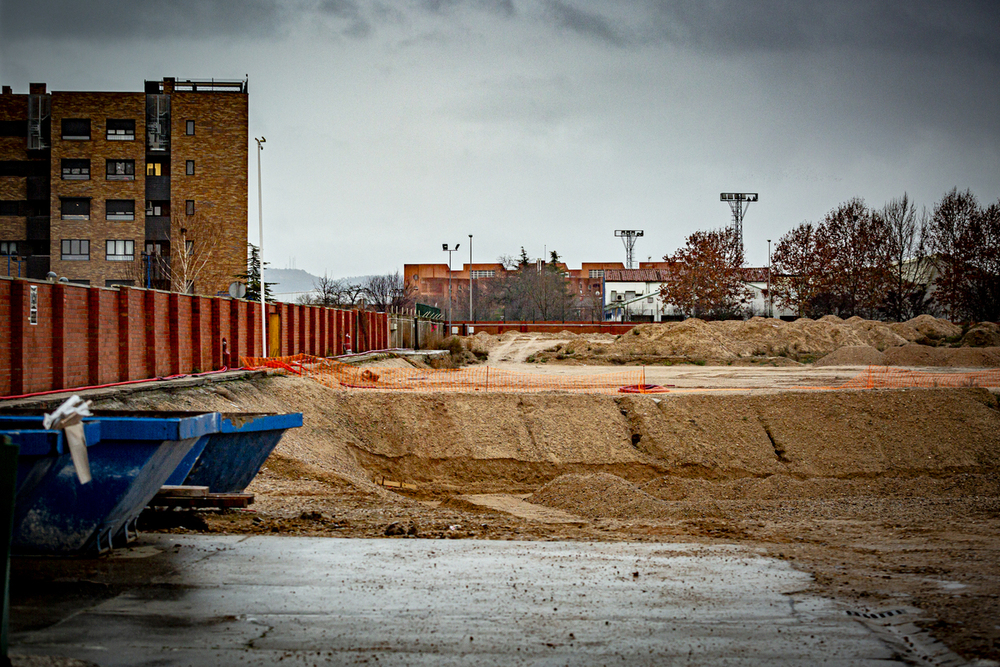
<point>260,253</point>
<point>471,318</point>
<point>444,246</point>
<point>770,312</point>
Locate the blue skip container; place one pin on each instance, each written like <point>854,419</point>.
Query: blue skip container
<point>227,461</point>
<point>130,459</point>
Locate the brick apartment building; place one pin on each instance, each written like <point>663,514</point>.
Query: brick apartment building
<point>137,188</point>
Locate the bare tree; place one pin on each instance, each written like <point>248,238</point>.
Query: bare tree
<point>909,264</point>
<point>199,246</point>
<point>388,291</point>
<point>327,291</point>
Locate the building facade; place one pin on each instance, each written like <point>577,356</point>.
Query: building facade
<point>603,291</point>
<point>136,188</point>
<point>431,284</point>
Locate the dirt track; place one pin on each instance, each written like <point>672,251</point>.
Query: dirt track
<point>888,498</point>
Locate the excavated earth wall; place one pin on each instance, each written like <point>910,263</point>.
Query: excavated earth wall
<point>911,442</point>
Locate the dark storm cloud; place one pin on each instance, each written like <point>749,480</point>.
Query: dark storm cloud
<point>587,23</point>
<point>349,11</point>
<point>117,20</point>
<point>962,27</point>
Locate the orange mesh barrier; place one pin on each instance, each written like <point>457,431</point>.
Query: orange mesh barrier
<point>886,377</point>
<point>333,373</point>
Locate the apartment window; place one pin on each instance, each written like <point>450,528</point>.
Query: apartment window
<point>189,168</point>
<point>155,248</point>
<point>10,208</point>
<point>119,250</point>
<point>119,283</point>
<point>75,208</point>
<point>157,207</point>
<point>121,170</point>
<point>75,250</point>
<point>119,209</point>
<point>76,170</point>
<point>8,247</point>
<point>189,248</point>
<point>597,273</point>
<point>120,130</point>
<point>190,127</point>
<point>76,129</point>
<point>488,273</point>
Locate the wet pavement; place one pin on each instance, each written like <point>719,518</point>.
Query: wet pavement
<point>260,600</point>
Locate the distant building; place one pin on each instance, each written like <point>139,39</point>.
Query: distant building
<point>430,284</point>
<point>137,188</point>
<point>623,295</point>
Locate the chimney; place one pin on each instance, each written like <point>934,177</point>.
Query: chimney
<point>168,85</point>
<point>7,90</point>
<point>36,88</point>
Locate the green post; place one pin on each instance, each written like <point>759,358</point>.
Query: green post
<point>8,481</point>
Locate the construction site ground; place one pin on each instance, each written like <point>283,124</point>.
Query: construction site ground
<point>887,498</point>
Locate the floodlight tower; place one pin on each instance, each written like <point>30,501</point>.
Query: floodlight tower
<point>628,237</point>
<point>739,202</point>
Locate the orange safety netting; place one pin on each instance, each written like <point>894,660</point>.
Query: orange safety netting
<point>334,373</point>
<point>886,377</point>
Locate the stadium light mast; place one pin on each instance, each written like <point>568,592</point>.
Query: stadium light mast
<point>628,237</point>
<point>738,204</point>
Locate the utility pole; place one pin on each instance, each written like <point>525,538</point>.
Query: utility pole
<point>470,279</point>
<point>260,218</point>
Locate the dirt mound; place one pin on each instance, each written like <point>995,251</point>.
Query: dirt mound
<point>782,487</point>
<point>906,331</point>
<point>600,496</point>
<point>961,357</point>
<point>489,443</point>
<point>934,329</point>
<point>735,339</point>
<point>974,357</point>
<point>984,334</point>
<point>853,355</point>
<point>480,343</point>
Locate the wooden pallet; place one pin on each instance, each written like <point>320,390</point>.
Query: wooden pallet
<point>198,497</point>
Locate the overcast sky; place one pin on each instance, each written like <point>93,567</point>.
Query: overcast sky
<point>394,127</point>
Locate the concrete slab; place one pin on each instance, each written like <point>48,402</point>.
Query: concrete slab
<point>203,600</point>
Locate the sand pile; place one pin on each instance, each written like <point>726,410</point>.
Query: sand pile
<point>960,357</point>
<point>933,329</point>
<point>853,355</point>
<point>782,486</point>
<point>903,343</point>
<point>482,443</point>
<point>600,496</point>
<point>732,339</point>
<point>984,334</point>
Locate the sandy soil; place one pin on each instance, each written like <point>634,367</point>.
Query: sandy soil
<point>887,498</point>
<point>829,341</point>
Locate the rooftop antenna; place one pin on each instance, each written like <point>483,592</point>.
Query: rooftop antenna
<point>739,202</point>
<point>628,237</point>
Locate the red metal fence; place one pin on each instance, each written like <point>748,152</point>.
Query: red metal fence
<point>58,335</point>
